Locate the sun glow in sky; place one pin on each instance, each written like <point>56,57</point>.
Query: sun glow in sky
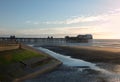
<point>58,18</point>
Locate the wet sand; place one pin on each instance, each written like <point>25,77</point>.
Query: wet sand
<point>91,54</point>
<point>69,74</point>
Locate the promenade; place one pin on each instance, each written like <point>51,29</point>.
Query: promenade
<point>19,62</point>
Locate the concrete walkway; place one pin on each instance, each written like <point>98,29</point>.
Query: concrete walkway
<point>4,48</point>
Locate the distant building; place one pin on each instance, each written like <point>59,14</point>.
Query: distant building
<point>12,37</point>
<point>79,38</point>
<point>87,36</point>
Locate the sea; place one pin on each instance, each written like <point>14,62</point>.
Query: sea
<point>114,43</point>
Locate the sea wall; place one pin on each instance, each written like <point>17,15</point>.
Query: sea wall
<point>44,69</point>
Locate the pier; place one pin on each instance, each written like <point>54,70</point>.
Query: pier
<point>38,41</point>
<point>47,41</point>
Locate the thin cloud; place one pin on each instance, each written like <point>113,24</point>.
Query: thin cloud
<point>36,23</point>
<point>32,22</point>
<point>75,20</point>
<point>28,21</point>
<point>80,19</point>
<point>54,22</point>
<point>86,19</point>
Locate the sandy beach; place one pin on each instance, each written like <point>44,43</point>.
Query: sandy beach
<point>91,54</point>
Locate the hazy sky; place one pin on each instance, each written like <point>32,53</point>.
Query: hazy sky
<point>59,18</point>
